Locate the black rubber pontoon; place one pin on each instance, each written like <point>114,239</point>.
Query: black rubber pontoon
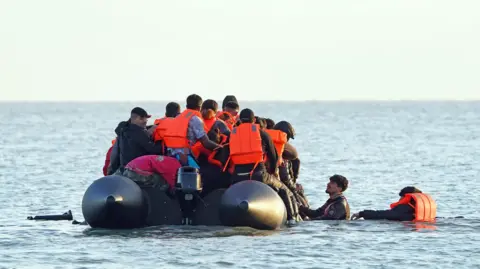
<point>117,202</point>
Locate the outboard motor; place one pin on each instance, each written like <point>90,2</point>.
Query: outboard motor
<point>188,189</point>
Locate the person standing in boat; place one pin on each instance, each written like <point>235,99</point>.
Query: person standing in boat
<point>336,207</point>
<point>133,140</point>
<point>413,205</point>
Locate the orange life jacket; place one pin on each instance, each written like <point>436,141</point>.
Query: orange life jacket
<point>209,123</point>
<point>231,119</point>
<point>213,153</point>
<point>425,207</point>
<point>198,148</point>
<point>113,141</point>
<point>176,134</point>
<point>162,126</point>
<point>279,139</point>
<point>246,146</point>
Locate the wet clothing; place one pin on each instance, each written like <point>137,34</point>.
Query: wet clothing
<point>151,165</point>
<point>290,153</point>
<point>399,213</point>
<point>133,141</point>
<point>335,208</point>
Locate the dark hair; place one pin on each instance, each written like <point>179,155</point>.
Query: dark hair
<point>194,101</point>
<point>232,105</point>
<point>285,127</point>
<point>172,109</point>
<point>247,116</point>
<point>269,123</point>
<point>341,181</point>
<point>227,99</point>
<point>260,121</point>
<point>409,189</point>
<point>210,104</point>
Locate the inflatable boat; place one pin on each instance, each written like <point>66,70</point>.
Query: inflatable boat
<point>117,202</point>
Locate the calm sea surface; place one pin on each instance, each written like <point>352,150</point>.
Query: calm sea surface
<point>51,152</point>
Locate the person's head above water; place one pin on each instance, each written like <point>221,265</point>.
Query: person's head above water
<point>269,123</point>
<point>337,184</point>
<point>172,110</point>
<point>194,102</point>
<point>232,108</point>
<point>285,127</point>
<point>227,99</point>
<point>209,109</point>
<point>409,189</point>
<point>139,116</point>
<point>247,116</point>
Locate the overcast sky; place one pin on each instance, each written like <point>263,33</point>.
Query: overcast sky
<point>257,50</point>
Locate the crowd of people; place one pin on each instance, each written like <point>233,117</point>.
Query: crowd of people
<point>229,146</point>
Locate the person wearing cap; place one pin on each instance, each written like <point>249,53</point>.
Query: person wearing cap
<point>247,147</point>
<point>133,140</point>
<point>185,130</point>
<point>404,209</point>
<point>336,207</point>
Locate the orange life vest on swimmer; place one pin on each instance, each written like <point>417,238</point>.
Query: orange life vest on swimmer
<point>176,134</point>
<point>279,139</point>
<point>425,207</point>
<point>246,146</point>
<point>162,126</point>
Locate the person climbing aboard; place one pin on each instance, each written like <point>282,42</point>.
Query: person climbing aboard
<point>185,130</point>
<point>133,140</point>
<point>413,205</point>
<point>336,207</point>
<point>281,134</point>
<point>153,171</point>
<point>248,146</point>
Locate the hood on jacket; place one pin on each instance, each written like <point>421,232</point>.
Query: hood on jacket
<point>121,127</point>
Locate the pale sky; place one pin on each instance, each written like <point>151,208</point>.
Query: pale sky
<point>257,50</point>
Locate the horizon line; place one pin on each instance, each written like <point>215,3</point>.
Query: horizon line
<point>258,101</point>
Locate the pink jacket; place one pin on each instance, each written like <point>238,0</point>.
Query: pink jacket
<point>163,165</point>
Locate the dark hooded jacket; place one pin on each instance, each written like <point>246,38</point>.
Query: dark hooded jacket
<point>400,213</point>
<point>133,141</point>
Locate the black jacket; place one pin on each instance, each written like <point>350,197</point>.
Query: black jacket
<point>133,142</point>
<point>400,213</point>
<point>338,209</point>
